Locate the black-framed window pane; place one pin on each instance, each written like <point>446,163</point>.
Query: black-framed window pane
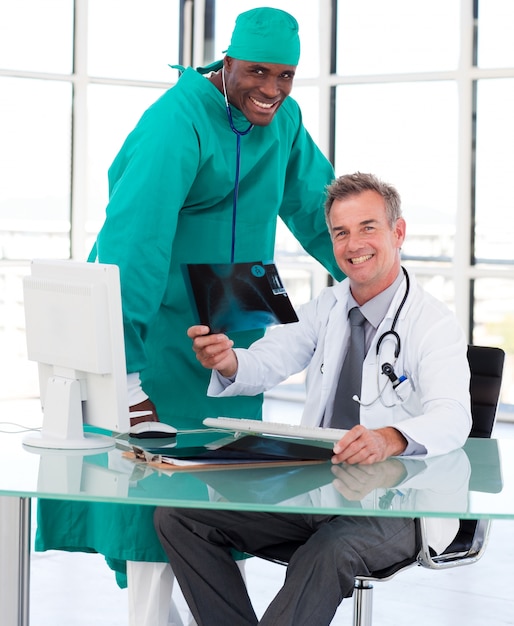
<point>406,133</point>
<point>494,230</point>
<point>494,325</point>
<point>35,157</point>
<point>306,14</point>
<point>36,35</point>
<point>377,37</point>
<point>495,28</point>
<point>133,39</point>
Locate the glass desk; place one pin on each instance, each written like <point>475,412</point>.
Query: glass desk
<point>474,482</point>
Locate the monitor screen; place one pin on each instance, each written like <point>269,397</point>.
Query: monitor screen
<point>74,330</point>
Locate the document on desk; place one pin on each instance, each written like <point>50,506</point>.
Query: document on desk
<point>232,451</point>
<point>181,464</point>
<point>167,463</point>
<point>230,297</point>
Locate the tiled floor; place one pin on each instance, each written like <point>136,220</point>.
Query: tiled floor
<point>79,589</point>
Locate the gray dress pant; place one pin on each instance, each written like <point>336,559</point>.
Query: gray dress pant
<point>324,554</point>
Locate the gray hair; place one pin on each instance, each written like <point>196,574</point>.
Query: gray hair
<point>355,184</point>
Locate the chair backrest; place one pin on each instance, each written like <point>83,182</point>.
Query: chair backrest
<point>486,366</point>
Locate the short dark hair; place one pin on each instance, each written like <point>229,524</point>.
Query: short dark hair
<point>355,184</point>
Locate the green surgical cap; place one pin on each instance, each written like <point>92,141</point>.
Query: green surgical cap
<point>265,35</point>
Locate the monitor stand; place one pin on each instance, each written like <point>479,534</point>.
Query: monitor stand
<point>63,422</point>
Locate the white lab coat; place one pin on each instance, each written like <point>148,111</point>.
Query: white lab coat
<point>432,407</point>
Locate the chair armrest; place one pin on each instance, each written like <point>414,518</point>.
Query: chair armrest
<point>468,546</point>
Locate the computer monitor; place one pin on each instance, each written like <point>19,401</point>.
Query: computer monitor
<point>74,331</point>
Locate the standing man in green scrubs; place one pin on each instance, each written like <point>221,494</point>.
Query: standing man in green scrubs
<point>201,179</point>
<point>172,201</point>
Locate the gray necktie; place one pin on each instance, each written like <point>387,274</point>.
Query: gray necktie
<point>346,410</point>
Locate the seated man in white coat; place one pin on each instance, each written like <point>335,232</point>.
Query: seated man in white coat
<point>413,399</point>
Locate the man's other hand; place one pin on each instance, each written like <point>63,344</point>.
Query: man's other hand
<point>361,445</point>
<point>147,407</point>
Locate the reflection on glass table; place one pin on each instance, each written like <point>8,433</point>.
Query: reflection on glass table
<point>476,481</point>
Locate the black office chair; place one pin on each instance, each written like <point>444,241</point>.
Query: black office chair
<point>486,366</point>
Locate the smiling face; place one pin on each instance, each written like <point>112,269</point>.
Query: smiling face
<point>366,246</point>
<point>257,89</point>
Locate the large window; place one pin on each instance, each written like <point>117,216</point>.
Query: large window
<point>35,162</point>
<point>420,93</point>
<point>406,133</point>
<point>423,97</point>
<point>132,39</point>
<point>398,36</point>
<point>494,220</point>
<point>113,110</point>
<point>36,36</point>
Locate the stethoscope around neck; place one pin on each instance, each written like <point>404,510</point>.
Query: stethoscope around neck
<point>239,134</point>
<point>388,368</point>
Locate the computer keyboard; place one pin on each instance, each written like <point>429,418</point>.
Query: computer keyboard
<point>275,428</point>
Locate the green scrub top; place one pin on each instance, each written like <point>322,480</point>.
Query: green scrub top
<point>171,202</point>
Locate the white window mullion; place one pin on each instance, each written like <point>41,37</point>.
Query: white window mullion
<point>80,133</point>
<point>198,46</point>
<point>324,82</point>
<point>461,265</point>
